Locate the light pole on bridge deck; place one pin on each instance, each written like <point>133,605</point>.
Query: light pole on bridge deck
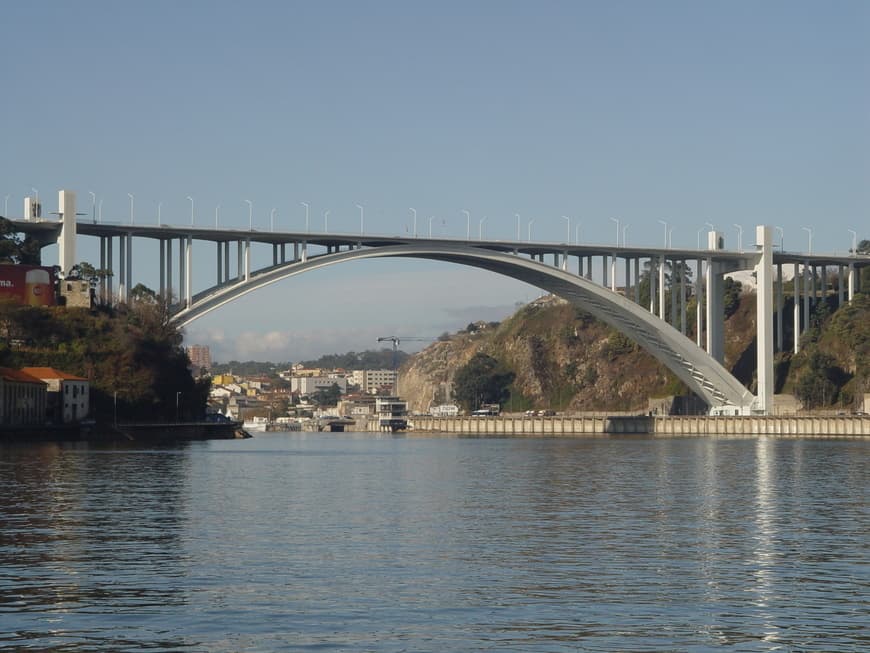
<point>624,229</point>
<point>432,217</point>
<point>565,217</point>
<point>616,220</point>
<point>305,204</point>
<point>665,223</point>
<point>250,215</point>
<point>518,225</point>
<point>699,237</point>
<point>93,206</point>
<point>810,234</point>
<point>781,232</point>
<point>36,195</point>
<point>191,209</point>
<point>577,232</point>
<point>272,219</point>
<point>159,208</point>
<point>100,211</point>
<point>414,211</point>
<point>467,224</point>
<point>739,237</point>
<point>130,195</point>
<point>362,214</point>
<point>854,241</point>
<point>217,214</point>
<point>326,221</point>
<point>480,228</point>
<point>531,222</point>
<point>6,206</point>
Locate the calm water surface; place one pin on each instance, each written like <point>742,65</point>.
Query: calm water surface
<point>336,542</point>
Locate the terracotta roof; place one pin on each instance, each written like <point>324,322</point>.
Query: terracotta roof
<point>8,374</point>
<point>50,373</point>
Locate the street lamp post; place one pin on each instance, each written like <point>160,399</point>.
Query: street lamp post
<point>810,234</point>
<point>191,209</point>
<point>130,195</point>
<point>467,224</point>
<point>305,204</point>
<point>430,225</point>
<point>100,211</point>
<point>480,228</point>
<point>6,206</point>
<point>414,211</point>
<point>616,220</point>
<point>854,241</point>
<point>326,221</point>
<point>93,206</point>
<point>272,219</point>
<point>250,215</point>
<point>577,232</point>
<point>531,222</point>
<point>217,214</point>
<point>518,225</point>
<point>739,237</point>
<point>362,216</point>
<point>664,222</point>
<point>624,229</point>
<point>159,207</point>
<point>565,217</point>
<point>781,232</point>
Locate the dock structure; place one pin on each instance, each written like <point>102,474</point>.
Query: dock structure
<point>784,426</point>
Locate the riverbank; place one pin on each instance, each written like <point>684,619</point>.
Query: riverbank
<point>144,433</point>
<point>845,426</point>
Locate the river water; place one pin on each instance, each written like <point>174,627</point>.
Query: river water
<point>344,542</point>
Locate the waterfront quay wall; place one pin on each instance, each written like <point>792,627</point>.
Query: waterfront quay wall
<point>841,426</point>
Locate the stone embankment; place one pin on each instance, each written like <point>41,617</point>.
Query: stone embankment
<point>841,426</point>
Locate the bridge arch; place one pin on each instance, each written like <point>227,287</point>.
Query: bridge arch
<point>691,364</point>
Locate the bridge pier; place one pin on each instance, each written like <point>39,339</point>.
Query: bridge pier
<point>699,302</point>
<point>715,299</point>
<point>662,289</point>
<point>169,287</point>
<point>764,326</point>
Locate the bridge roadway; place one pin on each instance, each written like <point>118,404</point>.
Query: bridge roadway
<point>701,370</point>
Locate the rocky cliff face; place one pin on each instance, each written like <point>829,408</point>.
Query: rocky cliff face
<point>563,359</point>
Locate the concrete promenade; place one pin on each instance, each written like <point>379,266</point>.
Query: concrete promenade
<point>841,426</point>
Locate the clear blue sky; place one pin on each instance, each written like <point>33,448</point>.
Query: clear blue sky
<point>689,112</point>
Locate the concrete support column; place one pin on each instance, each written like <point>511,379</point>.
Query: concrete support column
<point>129,263</point>
<point>304,252</point>
<point>295,252</point>
<point>779,306</point>
<point>188,272</point>
<point>182,270</point>
<point>682,271</point>
<point>627,276</point>
<point>103,267</point>
<point>66,237</point>
<point>613,273</point>
<point>162,246</point>
<point>764,316</point>
<point>797,308</point>
<point>247,259</point>
<point>169,289</point>
<point>652,286</point>
<point>662,288</point>
<point>851,282</point>
<point>637,280</point>
<point>564,259</point>
<point>823,285</point>
<point>122,268</point>
<point>240,260</point>
<point>588,267</point>
<point>579,266</point>
<point>840,286</point>
<point>283,252</point>
<point>226,261</point>
<point>807,290</point>
<point>715,312</point>
<point>699,302</point>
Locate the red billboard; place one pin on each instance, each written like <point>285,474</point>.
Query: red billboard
<point>27,284</point>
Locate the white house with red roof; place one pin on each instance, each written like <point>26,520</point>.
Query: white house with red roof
<point>69,396</point>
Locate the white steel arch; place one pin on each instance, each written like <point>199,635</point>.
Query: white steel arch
<point>691,364</point>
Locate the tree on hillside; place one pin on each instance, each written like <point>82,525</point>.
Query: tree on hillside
<point>482,380</point>
<point>15,250</point>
